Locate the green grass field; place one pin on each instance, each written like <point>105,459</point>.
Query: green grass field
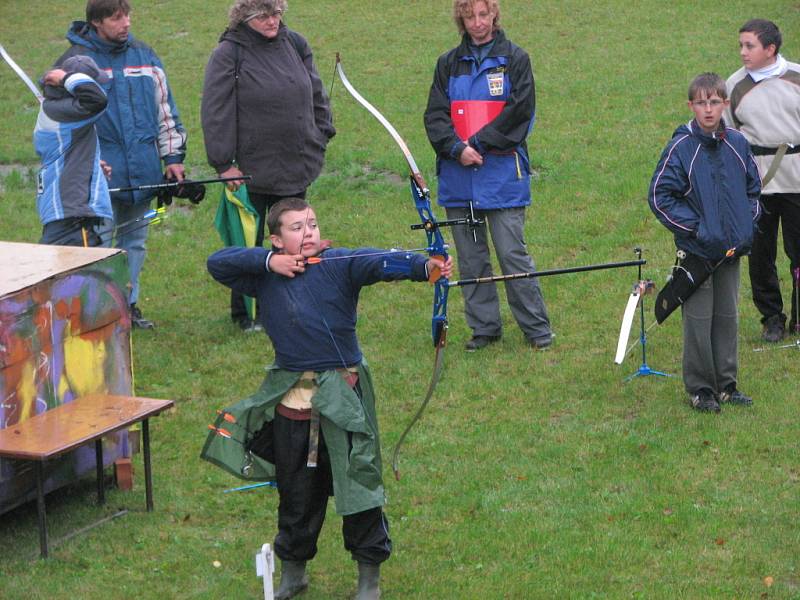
<point>533,474</point>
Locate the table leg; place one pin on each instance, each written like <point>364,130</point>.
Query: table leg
<point>40,508</point>
<point>148,476</point>
<point>98,453</point>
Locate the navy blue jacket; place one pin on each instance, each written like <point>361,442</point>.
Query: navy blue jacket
<point>705,190</point>
<point>311,318</point>
<point>141,126</point>
<point>503,181</point>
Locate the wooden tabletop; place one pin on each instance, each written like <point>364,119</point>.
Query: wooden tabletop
<point>23,265</point>
<point>75,423</point>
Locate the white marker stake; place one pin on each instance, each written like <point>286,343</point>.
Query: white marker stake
<point>265,567</point>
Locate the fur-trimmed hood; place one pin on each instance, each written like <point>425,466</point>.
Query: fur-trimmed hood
<point>243,9</point>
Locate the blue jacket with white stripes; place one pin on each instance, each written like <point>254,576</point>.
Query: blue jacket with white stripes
<point>705,190</point>
<point>141,126</point>
<point>71,183</point>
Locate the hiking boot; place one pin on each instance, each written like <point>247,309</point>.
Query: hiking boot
<point>293,579</point>
<point>733,396</point>
<point>704,401</point>
<point>368,580</point>
<point>138,321</point>
<point>541,343</point>
<point>774,329</point>
<point>480,341</point>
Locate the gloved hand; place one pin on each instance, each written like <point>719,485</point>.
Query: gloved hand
<point>188,190</point>
<point>193,192</point>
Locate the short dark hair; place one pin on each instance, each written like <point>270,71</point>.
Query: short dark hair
<point>766,32</point>
<point>282,206</point>
<point>708,83</point>
<point>97,10</point>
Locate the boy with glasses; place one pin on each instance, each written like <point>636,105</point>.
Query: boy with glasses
<point>705,191</point>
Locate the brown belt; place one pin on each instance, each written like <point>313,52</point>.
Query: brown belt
<point>295,414</point>
<point>312,414</point>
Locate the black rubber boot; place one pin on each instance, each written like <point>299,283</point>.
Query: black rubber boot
<point>368,580</point>
<point>293,579</point>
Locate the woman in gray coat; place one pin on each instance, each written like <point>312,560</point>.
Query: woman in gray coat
<point>264,112</point>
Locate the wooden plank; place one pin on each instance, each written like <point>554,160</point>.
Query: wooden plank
<point>23,265</point>
<point>76,423</point>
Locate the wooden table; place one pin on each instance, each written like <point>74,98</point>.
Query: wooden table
<point>66,427</point>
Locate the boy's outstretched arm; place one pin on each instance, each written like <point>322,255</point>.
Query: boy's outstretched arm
<point>239,268</point>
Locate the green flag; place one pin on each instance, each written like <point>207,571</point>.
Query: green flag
<point>237,224</point>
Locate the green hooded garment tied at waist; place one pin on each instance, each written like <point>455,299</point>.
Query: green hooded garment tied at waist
<point>241,440</point>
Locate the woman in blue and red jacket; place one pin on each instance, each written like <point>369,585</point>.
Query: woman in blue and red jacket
<point>480,111</point>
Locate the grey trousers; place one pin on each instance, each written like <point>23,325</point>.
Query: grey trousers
<point>710,324</point>
<point>481,302</point>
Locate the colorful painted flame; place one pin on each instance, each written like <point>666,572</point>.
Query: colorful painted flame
<point>62,338</point>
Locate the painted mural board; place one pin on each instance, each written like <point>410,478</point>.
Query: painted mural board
<point>64,333</point>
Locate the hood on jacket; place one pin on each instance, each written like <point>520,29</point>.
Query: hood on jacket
<point>246,36</point>
<point>83,34</point>
<point>693,129</point>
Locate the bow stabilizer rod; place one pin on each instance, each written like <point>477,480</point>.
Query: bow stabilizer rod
<point>174,184</point>
<point>478,280</point>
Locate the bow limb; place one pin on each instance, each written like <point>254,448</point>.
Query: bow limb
<point>412,164</point>
<point>438,365</point>
<point>22,75</point>
<point>436,249</point>
<point>627,323</point>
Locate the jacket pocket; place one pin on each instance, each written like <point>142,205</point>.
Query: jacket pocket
<point>713,245</point>
<point>362,466</point>
<point>262,444</point>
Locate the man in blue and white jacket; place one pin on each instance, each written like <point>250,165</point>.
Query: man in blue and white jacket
<point>140,129</point>
<point>72,196</point>
<point>480,111</point>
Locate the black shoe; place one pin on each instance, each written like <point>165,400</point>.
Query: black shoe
<point>733,396</point>
<point>138,321</point>
<point>704,402</point>
<point>541,343</point>
<point>481,341</point>
<point>774,329</point>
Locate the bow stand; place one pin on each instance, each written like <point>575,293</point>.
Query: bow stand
<point>640,289</point>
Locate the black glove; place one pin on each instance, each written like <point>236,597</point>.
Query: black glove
<point>193,192</point>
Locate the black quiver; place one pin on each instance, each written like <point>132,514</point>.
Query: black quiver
<point>688,274</point>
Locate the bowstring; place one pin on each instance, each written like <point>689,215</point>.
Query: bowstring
<point>314,299</point>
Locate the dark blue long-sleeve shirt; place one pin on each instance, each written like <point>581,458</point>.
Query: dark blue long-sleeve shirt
<point>311,318</point>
